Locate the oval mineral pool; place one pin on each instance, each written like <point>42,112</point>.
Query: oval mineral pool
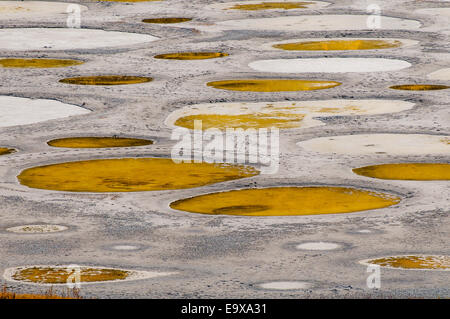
<point>407,171</point>
<point>380,144</point>
<point>37,229</point>
<point>273,5</point>
<point>191,55</point>
<point>285,285</point>
<point>21,111</point>
<point>339,45</point>
<point>98,142</point>
<point>32,9</point>
<point>318,246</point>
<point>286,201</point>
<point>442,75</point>
<point>419,87</point>
<point>412,262</point>
<point>280,114</point>
<point>5,150</point>
<point>106,80</point>
<point>29,39</point>
<point>61,275</point>
<point>130,175</point>
<point>270,5</point>
<point>38,63</point>
<point>328,65</point>
<point>166,20</point>
<point>272,85</point>
<point>321,22</point>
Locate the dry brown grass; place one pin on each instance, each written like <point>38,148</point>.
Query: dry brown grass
<point>49,294</point>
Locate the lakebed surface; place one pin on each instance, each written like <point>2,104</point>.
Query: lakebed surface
<point>222,253</point>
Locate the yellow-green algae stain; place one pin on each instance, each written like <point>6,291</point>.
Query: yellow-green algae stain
<point>272,85</point>
<point>166,20</point>
<point>335,45</point>
<point>54,275</point>
<point>130,175</point>
<point>98,142</point>
<point>191,55</point>
<point>271,5</point>
<point>282,120</point>
<point>419,87</point>
<point>413,262</point>
<point>5,151</point>
<point>106,80</point>
<point>38,63</point>
<point>407,171</point>
<point>286,201</point>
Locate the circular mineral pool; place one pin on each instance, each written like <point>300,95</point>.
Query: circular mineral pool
<point>130,175</point>
<point>5,150</point>
<point>328,65</point>
<point>61,275</point>
<point>30,39</point>
<point>320,22</point>
<point>318,246</point>
<point>125,247</point>
<point>412,262</point>
<point>169,20</point>
<point>98,142</point>
<point>37,229</point>
<point>33,9</point>
<point>339,45</point>
<point>279,114</point>
<point>272,85</point>
<point>270,5</point>
<point>38,63</point>
<point>442,75</point>
<point>285,285</point>
<point>380,144</point>
<point>22,111</point>
<point>407,171</point>
<point>106,80</point>
<point>419,87</point>
<point>191,55</point>
<point>286,201</point>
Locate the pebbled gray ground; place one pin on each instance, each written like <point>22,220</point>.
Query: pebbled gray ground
<point>224,256</point>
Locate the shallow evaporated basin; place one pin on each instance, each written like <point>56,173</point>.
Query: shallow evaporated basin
<point>286,5</point>
<point>339,45</point>
<point>285,201</point>
<point>57,275</point>
<point>37,229</point>
<point>167,20</point>
<point>419,87</point>
<point>407,171</point>
<point>130,175</point>
<point>98,142</point>
<point>106,80</point>
<point>272,85</point>
<point>62,274</point>
<point>412,262</point>
<point>5,150</point>
<point>191,55</point>
<point>280,114</point>
<point>38,63</point>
